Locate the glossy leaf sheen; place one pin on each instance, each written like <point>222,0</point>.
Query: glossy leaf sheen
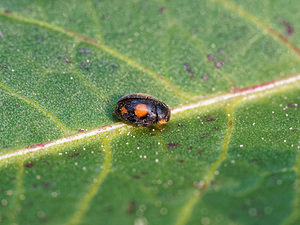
<point>220,160</point>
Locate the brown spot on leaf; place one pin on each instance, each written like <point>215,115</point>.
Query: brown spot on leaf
<point>230,123</point>
<point>114,67</point>
<point>136,176</point>
<point>172,145</point>
<point>6,11</point>
<point>189,70</point>
<point>67,60</point>
<point>208,118</point>
<point>84,51</point>
<point>84,65</point>
<point>219,65</point>
<point>292,105</point>
<point>74,155</point>
<point>81,130</point>
<point>204,77</point>
<point>289,30</point>
<point>46,185</point>
<point>131,208</point>
<point>181,160</point>
<point>29,165</point>
<point>161,9</point>
<point>211,58</point>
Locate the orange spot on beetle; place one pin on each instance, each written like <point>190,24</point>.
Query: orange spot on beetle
<point>123,110</point>
<point>144,95</point>
<point>140,110</point>
<point>162,121</point>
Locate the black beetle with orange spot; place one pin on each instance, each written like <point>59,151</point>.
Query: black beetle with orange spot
<point>142,110</point>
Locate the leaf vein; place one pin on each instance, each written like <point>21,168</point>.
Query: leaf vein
<point>260,24</point>
<point>186,210</point>
<point>64,129</point>
<point>129,61</point>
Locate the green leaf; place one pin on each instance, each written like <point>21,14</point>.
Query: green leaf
<point>230,72</point>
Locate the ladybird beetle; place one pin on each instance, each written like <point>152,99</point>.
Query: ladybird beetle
<point>142,110</point>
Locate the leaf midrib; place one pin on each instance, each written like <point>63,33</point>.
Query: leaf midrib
<point>214,101</point>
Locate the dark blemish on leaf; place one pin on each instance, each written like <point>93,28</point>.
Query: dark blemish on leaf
<point>17,105</point>
<point>106,16</point>
<point>81,130</point>
<point>3,66</point>
<point>114,67</point>
<point>230,123</point>
<point>144,173</point>
<point>107,101</point>
<point>136,176</point>
<point>294,130</point>
<point>292,105</point>
<point>131,208</point>
<point>181,160</point>
<point>208,118</point>
<point>30,165</point>
<point>46,185</point>
<point>216,128</point>
<point>289,30</point>
<point>188,69</point>
<point>59,57</point>
<point>204,77</point>
<point>180,125</point>
<point>172,145</point>
<point>99,152</point>
<point>153,134</point>
<point>6,11</point>
<point>211,58</point>
<point>74,155</point>
<point>83,64</point>
<point>219,65</point>
<point>34,186</point>
<point>84,51</point>
<point>190,148</point>
<point>161,9</point>
<point>67,60</point>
